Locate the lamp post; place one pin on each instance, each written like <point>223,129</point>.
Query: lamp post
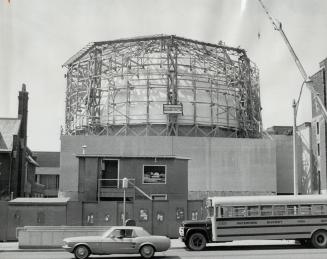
<point>295,177</point>
<point>125,185</point>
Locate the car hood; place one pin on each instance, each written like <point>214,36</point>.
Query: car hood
<point>83,239</point>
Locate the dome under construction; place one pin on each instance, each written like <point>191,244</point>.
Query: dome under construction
<point>162,85</point>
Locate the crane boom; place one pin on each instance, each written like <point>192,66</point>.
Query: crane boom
<point>306,79</point>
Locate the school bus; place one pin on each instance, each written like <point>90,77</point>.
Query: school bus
<point>302,218</point>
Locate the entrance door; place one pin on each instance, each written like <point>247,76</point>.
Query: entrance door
<point>110,173</point>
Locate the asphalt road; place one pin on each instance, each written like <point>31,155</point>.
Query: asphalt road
<point>247,252</point>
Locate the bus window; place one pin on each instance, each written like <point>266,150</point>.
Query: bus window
<point>239,211</point>
<point>253,211</point>
<point>226,212</point>
<point>305,210</point>
<point>266,210</point>
<point>279,210</point>
<point>318,209</point>
<point>292,209</point>
<point>210,211</point>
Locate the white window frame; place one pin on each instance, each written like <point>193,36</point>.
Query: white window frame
<point>154,183</point>
<point>159,195</point>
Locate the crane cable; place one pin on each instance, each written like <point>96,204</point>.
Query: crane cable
<point>269,16</point>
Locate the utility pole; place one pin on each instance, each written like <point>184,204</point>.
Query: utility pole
<point>295,177</point>
<point>125,185</point>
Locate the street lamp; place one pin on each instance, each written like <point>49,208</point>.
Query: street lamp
<point>295,177</point>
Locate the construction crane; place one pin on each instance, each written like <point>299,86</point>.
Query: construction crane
<point>307,80</point>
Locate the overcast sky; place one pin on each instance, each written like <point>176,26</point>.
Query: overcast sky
<point>38,36</point>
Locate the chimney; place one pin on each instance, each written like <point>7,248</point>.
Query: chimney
<point>22,113</point>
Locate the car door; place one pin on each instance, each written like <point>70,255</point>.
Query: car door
<point>119,241</point>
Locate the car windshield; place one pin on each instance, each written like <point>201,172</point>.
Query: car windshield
<point>105,234</point>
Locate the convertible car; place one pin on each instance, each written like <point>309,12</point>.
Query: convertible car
<point>117,240</point>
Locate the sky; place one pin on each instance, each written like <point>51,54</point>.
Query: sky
<point>38,36</point>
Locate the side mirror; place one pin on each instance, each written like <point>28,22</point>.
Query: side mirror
<point>120,237</point>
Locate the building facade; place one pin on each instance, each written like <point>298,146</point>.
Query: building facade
<point>17,162</point>
<point>319,129</point>
<point>48,172</point>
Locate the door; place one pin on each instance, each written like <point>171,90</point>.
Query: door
<point>110,173</point>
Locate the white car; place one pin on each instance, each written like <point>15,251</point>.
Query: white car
<point>117,240</point>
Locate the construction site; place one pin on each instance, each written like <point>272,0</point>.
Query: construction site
<point>162,85</point>
<point>180,119</point>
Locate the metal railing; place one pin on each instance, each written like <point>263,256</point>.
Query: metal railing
<point>114,183</point>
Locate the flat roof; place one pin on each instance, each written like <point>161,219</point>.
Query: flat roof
<point>40,201</point>
<point>269,200</point>
<point>133,156</point>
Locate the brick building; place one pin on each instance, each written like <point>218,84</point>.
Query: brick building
<point>319,129</point>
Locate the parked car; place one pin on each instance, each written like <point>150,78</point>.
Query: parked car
<point>117,240</point>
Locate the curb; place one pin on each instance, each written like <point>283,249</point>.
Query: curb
<point>53,250</point>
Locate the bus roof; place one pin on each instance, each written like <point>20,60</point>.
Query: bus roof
<point>268,200</point>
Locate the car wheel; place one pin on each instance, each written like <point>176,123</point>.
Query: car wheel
<point>81,252</point>
<point>147,251</point>
<point>196,242</point>
<point>319,239</point>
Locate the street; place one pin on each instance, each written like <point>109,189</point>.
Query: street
<point>265,251</point>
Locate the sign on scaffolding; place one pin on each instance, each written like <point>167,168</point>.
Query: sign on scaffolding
<point>173,109</point>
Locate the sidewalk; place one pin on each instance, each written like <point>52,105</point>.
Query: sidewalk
<point>175,244</point>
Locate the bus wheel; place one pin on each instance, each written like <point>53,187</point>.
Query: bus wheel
<point>319,239</point>
<point>196,242</point>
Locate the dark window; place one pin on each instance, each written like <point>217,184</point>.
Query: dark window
<point>318,149</point>
<point>317,125</point>
<point>158,197</point>
<point>154,174</point>
<point>50,181</point>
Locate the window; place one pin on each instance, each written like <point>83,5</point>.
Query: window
<point>318,209</point>
<point>318,149</point>
<point>122,233</point>
<point>253,211</point>
<point>305,210</point>
<point>154,174</point>
<point>50,181</point>
<point>159,197</point>
<point>279,210</point>
<point>266,210</point>
<point>239,212</point>
<point>317,126</point>
<point>226,212</point>
<point>292,209</point>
